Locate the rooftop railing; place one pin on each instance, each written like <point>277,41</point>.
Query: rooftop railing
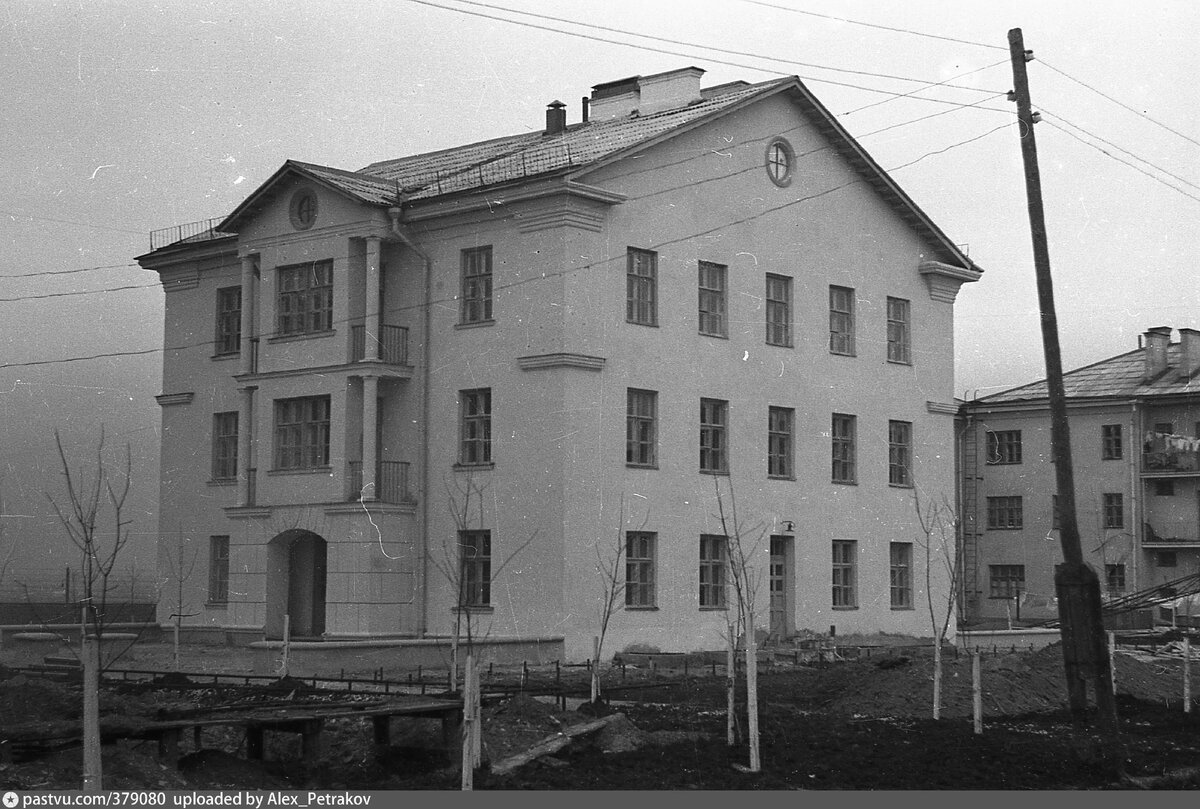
<point>203,231</point>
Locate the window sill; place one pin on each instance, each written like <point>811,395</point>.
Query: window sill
<point>1009,528</point>
<point>637,323</point>
<point>226,355</point>
<point>216,605</point>
<point>223,482</point>
<point>713,334</point>
<point>781,477</point>
<point>844,609</point>
<point>722,608</point>
<point>903,609</point>
<point>469,467</point>
<point>641,608</point>
<point>475,324</point>
<point>304,335</point>
<point>779,345</point>
<point>722,472</point>
<point>474,609</point>
<point>901,485</point>
<point>900,362</point>
<point>844,482</point>
<point>842,353</point>
<point>304,470</point>
<point>641,465</point>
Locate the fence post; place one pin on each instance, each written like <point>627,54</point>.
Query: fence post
<point>1187,674</point>
<point>1112,662</point>
<point>977,692</point>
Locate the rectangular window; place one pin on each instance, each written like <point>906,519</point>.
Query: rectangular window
<point>713,299</point>
<point>901,575</point>
<point>899,335</point>
<point>1006,581</point>
<point>229,320</point>
<point>845,560</point>
<point>1114,510</point>
<point>1003,446</point>
<point>218,570</point>
<point>1165,559</point>
<point>900,453</point>
<point>639,568</point>
<point>779,442</point>
<point>641,430</point>
<point>305,298</point>
<point>712,571</point>
<point>1114,577</point>
<point>1164,427</point>
<point>1004,512</point>
<point>1164,488</point>
<point>475,409</point>
<point>225,445</point>
<point>1110,440</point>
<point>641,287</point>
<point>841,320</point>
<point>475,568</point>
<point>476,295</point>
<point>714,451</point>
<point>779,310</point>
<point>842,430</point>
<point>302,432</point>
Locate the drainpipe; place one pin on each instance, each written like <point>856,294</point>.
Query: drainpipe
<point>396,213</point>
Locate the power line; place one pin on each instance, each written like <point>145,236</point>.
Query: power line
<point>73,294</point>
<point>928,86</point>
<point>874,25</point>
<point>71,222</point>
<point>72,272</point>
<point>1139,113</point>
<point>727,50</point>
<point>663,50</point>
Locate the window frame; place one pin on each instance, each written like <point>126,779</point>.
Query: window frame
<point>1114,577</point>
<point>474,568</point>
<point>1112,506</point>
<point>900,576</point>
<point>218,570</point>
<point>641,287</point>
<point>305,308</point>
<point>1004,447</point>
<point>844,574</point>
<point>475,427</point>
<point>1005,512</point>
<point>712,299</point>
<point>714,549</point>
<point>714,436</point>
<point>475,286</point>
<point>225,445</point>
<point>843,448</point>
<point>781,443</point>
<point>1111,444</point>
<point>1006,581</point>
<point>302,442</point>
<point>777,297</point>
<point>640,552</point>
<point>841,321</point>
<point>899,331</point>
<point>900,445</point>
<point>227,338</point>
<point>641,428</point>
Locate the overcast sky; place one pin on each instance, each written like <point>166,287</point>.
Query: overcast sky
<point>124,117</point>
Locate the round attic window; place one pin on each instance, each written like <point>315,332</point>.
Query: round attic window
<point>780,161</point>
<point>303,209</point>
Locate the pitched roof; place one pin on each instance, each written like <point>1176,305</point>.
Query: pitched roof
<point>1122,376</point>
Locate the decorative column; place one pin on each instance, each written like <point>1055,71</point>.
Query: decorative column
<point>246,347</point>
<point>371,338</point>
<point>370,447</point>
<point>245,441</point>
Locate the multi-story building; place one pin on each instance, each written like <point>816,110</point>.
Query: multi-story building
<point>457,384</point>
<point>1135,450</point>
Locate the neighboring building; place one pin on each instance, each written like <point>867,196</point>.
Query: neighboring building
<point>559,344</point>
<point>1135,449</point>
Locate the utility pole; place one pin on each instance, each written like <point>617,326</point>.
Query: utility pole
<point>1076,584</point>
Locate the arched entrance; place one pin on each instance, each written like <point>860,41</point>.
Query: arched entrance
<point>296,584</point>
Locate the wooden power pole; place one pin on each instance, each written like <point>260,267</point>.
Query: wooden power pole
<point>1076,584</point>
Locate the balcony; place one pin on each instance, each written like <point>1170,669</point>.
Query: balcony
<point>393,344</point>
<point>1171,455</point>
<point>391,482</point>
<point>1152,540</point>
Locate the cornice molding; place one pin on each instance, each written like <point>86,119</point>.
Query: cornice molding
<point>942,408</point>
<point>944,280</point>
<point>170,399</point>
<point>560,360</point>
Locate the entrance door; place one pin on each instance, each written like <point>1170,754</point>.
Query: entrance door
<point>781,587</point>
<point>306,586</point>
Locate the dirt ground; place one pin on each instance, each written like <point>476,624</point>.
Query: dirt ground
<point>857,724</point>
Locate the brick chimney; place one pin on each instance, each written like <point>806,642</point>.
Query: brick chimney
<point>556,118</point>
<point>645,94</point>
<point>1157,340</point>
<point>1189,353</point>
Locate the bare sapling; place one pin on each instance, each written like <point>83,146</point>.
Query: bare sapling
<point>615,573</point>
<point>939,527</point>
<point>178,572</point>
<point>466,563</point>
<point>93,515</point>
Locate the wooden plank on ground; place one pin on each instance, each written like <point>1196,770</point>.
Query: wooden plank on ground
<point>551,744</point>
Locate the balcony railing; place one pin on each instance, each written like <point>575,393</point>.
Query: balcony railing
<point>393,344</point>
<point>1151,539</point>
<point>203,231</point>
<point>1170,453</point>
<point>391,482</point>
